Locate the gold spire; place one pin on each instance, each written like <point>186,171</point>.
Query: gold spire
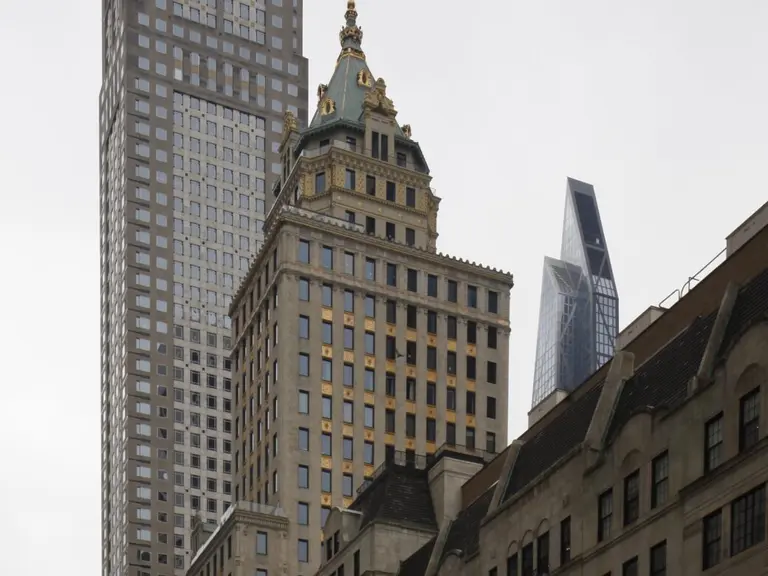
<point>351,35</point>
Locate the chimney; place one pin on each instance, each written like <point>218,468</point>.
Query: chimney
<point>538,411</point>
<point>453,466</point>
<point>746,230</point>
<point>637,326</point>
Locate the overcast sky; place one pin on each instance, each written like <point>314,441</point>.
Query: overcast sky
<point>661,105</point>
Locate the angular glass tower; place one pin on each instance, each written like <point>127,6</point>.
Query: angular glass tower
<point>579,311</point>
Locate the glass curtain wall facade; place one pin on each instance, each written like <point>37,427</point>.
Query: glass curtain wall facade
<point>579,309</point>
<point>191,115</point>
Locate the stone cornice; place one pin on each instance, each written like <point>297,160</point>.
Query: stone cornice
<point>436,258</point>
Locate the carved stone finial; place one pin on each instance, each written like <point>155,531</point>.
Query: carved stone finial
<point>289,121</point>
<point>376,100</point>
<point>327,106</point>
<point>351,35</point>
<point>407,130</point>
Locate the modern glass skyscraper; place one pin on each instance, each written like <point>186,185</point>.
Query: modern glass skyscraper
<point>191,113</point>
<point>579,312</point>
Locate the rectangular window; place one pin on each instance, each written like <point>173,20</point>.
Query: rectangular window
<point>470,441</point>
<point>389,230</point>
<point>349,179</point>
<point>370,306</point>
<point>453,291</point>
<point>660,477</point>
<point>604,515</point>
<point>370,225</point>
<point>385,148</point>
<point>527,560</point>
<point>450,434</point>
<point>402,159</point>
<point>490,407</point>
<point>368,416</point>
<point>303,477</point>
<point>304,251</point>
<point>326,444</point>
<point>565,540</point>
<point>431,429</point>
<point>491,374</point>
<point>658,559</point>
<point>327,333</point>
<point>370,185</point>
<point>471,296</point>
<point>326,481</point>
<point>370,343</point>
<point>713,443</point>
<point>471,332</point>
<point>304,327</point>
<point>370,269</point>
<point>389,422</point>
<point>327,300</point>
<point>303,364</point>
<point>493,302</point>
<point>391,274</point>
<point>631,497</point>
<point>492,337</point>
<point>349,263</point>
<point>629,568</point>
<point>749,420</point>
<point>512,565</point>
<point>431,285</point>
<point>748,520</point>
<point>413,280</point>
<point>410,197</point>
<point>319,182</point>
<point>391,191</point>
<point>712,533</point>
<point>431,394</point>
<point>303,514</point>
<point>261,543</point>
<point>451,327</point>
<point>303,550</point>
<point>327,405</point>
<point>490,442</point>
<point>327,257</point>
<point>410,425</point>
<point>410,237</point>
<point>542,553</point>
<point>390,384</point>
<point>375,144</point>
<point>349,338</point>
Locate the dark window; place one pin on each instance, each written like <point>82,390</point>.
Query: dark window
<point>527,560</point>
<point>471,296</point>
<point>565,540</point>
<point>493,572</point>
<point>660,473</point>
<point>327,333</point>
<point>748,520</point>
<point>431,429</point>
<point>304,289</point>
<point>350,216</point>
<point>349,338</point>
<point>712,533</point>
<point>327,257</point>
<point>402,159</point>
<point>349,179</point>
<point>450,398</point>
<point>389,384</point>
<point>512,565</point>
<point>390,348</point>
<point>370,225</point>
<point>370,306</point>
<point>490,442</point>
<point>470,442</point>
<point>389,421</point>
<point>369,341</point>
<point>450,362</point>
<point>385,148</point>
<point>349,375</point>
<point>713,443</point>
<point>304,327</point>
<point>410,197</point>
<point>542,553</point>
<point>431,358</point>
<point>411,315</point>
<point>604,515</point>
<point>493,302</point>
<point>470,402</point>
<point>410,425</point>
<point>375,144</point>
<point>432,285</point>
<point>749,420</point>
<point>391,312</point>
<point>453,291</point>
<point>410,237</point>
<point>631,497</point>
<point>349,301</point>
<point>471,332</point>
<point>450,434</point>
<point>492,337</point>
<point>410,353</point>
<point>320,182</point>
<point>490,407</point>
<point>451,329</point>
<point>629,568</point>
<point>431,322</point>
<point>391,274</point>
<point>410,389</point>
<point>658,560</point>
<point>356,563</point>
<point>352,143</point>
<point>370,185</point>
<point>391,191</point>
<point>303,439</point>
<point>390,231</point>
<point>471,367</point>
<point>326,444</point>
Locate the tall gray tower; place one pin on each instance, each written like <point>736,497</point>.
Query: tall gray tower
<point>579,312</point>
<point>191,113</point>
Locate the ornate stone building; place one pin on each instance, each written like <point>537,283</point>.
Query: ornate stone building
<point>353,339</point>
<point>657,464</point>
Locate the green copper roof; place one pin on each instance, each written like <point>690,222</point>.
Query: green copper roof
<point>344,89</point>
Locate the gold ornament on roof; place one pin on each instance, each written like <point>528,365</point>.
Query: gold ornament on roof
<point>289,121</point>
<point>321,90</point>
<point>351,35</point>
<point>407,130</point>
<point>327,106</point>
<point>376,100</point>
<point>364,78</point>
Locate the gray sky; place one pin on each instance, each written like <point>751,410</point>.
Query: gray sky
<point>659,104</point>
